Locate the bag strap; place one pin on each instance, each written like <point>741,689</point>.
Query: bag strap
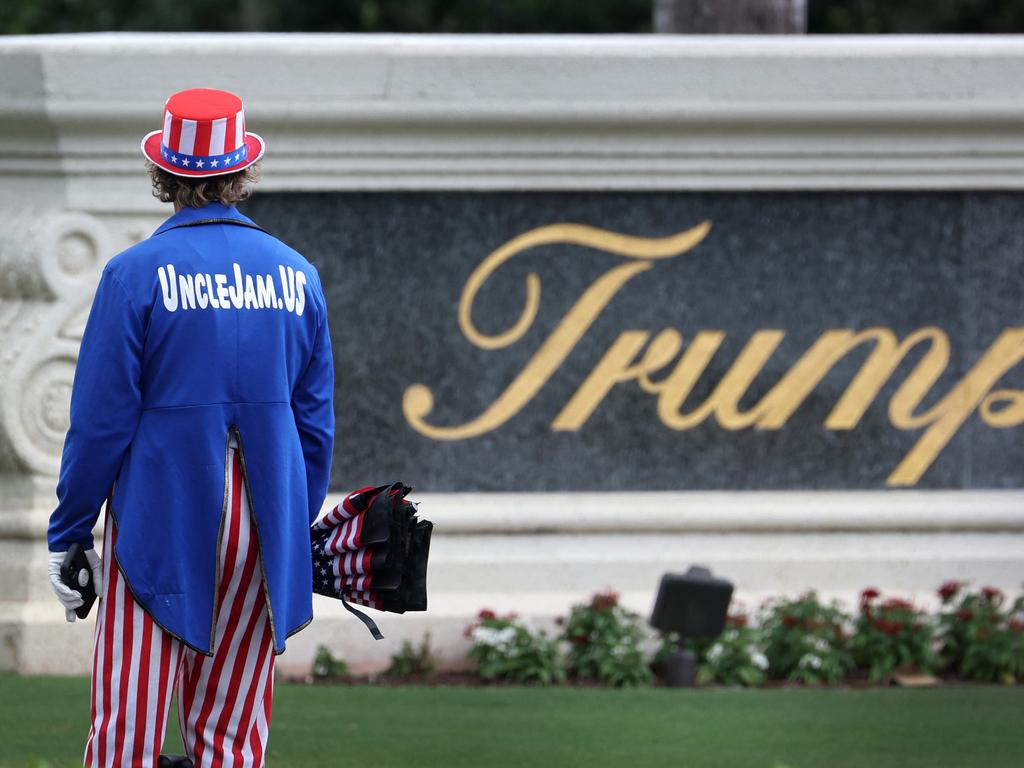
<point>239,222</point>
<point>370,623</point>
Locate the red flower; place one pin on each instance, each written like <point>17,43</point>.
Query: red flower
<point>948,590</point>
<point>868,595</point>
<point>965,615</point>
<point>486,614</point>
<point>737,621</point>
<point>991,593</point>
<point>1017,626</point>
<point>605,601</point>
<point>790,621</point>
<point>886,626</point>
<point>896,604</point>
<point>579,640</point>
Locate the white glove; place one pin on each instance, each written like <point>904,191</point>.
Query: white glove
<point>72,598</point>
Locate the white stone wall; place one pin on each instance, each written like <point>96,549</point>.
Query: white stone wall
<point>343,112</point>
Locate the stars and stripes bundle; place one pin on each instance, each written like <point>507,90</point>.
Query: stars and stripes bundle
<point>372,550</point>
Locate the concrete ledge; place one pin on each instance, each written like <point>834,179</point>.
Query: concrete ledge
<point>683,512</point>
<point>540,112</point>
<point>771,511</point>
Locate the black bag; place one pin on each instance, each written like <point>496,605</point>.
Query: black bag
<point>372,550</point>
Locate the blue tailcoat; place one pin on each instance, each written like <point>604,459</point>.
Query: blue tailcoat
<point>203,328</point>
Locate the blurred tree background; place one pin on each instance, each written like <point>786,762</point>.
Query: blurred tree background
<point>513,16</point>
<point>872,17</point>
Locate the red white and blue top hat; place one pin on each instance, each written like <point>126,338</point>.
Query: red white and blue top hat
<point>203,135</point>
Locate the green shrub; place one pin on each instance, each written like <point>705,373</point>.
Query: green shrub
<point>413,662</point>
<point>805,640</point>
<point>890,635</point>
<point>979,640</point>
<point>326,666</point>
<point>735,657</point>
<point>605,643</point>
<point>505,649</point>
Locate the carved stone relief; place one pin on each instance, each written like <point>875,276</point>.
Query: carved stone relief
<point>49,262</point>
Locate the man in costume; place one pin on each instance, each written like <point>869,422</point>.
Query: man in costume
<point>202,413</point>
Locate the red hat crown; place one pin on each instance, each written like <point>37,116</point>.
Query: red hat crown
<point>203,135</point>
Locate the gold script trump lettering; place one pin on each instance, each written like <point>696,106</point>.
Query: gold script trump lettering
<point>659,365</point>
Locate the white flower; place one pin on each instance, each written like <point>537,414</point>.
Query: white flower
<point>819,644</point>
<point>759,660</point>
<point>500,639</point>
<point>730,634</point>
<point>809,660</point>
<point>715,652</point>
<point>485,636</point>
<point>506,635</point>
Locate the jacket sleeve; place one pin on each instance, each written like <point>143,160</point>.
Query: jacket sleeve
<point>313,408</point>
<point>106,404</point>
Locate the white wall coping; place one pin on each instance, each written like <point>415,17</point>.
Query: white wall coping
<point>347,111</point>
<point>766,512</point>
<point>726,512</point>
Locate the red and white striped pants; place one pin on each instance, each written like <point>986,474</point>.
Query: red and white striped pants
<point>224,700</point>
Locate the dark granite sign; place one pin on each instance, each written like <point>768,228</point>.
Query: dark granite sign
<point>666,341</point>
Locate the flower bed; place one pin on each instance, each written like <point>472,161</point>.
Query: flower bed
<point>975,636</point>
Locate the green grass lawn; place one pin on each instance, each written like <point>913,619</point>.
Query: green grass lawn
<point>46,719</point>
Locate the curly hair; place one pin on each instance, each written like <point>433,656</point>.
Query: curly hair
<point>228,189</point>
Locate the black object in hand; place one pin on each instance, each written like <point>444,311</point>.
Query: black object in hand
<point>174,761</point>
<point>76,573</point>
